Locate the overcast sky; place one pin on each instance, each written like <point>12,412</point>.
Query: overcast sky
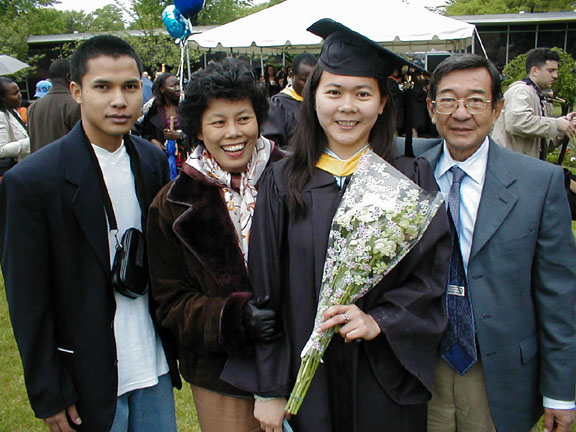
<point>89,6</point>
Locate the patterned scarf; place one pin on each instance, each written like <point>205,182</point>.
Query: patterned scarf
<point>239,190</point>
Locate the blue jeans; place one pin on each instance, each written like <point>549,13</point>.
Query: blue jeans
<point>150,409</point>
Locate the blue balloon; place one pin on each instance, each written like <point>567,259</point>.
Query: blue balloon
<point>189,8</point>
<point>175,23</point>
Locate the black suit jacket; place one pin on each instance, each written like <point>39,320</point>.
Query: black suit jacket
<point>56,265</point>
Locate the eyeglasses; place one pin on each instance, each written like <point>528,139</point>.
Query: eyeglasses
<point>447,105</point>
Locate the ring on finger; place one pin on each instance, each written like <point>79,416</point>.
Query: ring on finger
<point>346,318</point>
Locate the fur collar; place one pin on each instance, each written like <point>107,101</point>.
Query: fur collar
<point>206,229</point>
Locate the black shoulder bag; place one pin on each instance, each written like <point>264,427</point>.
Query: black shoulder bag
<point>130,266</point>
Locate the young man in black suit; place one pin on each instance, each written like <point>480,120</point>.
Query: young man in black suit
<point>93,358</point>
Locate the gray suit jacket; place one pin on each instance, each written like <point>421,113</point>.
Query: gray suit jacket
<point>522,278</point>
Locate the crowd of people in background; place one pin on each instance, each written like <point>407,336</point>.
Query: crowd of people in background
<point>160,231</point>
<point>51,117</point>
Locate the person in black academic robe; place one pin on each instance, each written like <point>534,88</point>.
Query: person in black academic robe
<point>284,109</point>
<point>382,380</point>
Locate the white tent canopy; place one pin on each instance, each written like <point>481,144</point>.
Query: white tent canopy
<point>398,25</point>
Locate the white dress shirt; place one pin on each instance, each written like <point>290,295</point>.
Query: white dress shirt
<point>470,195</point>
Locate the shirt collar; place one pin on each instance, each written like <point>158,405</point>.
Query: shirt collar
<point>474,166</point>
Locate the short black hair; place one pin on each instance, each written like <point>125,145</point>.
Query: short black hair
<point>59,68</point>
<point>458,62</point>
<point>539,56</point>
<point>231,79</point>
<point>104,45</point>
<point>157,86</point>
<point>304,58</point>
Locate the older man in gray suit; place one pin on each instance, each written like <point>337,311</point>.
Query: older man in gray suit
<point>510,347</point>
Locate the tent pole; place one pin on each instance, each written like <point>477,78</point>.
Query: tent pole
<point>262,61</point>
<point>480,40</point>
<point>188,59</point>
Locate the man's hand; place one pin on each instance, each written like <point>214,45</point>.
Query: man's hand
<point>59,422</point>
<point>558,420</point>
<point>567,127</point>
<point>270,413</point>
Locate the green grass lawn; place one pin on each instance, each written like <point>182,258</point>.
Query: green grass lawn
<point>15,412</point>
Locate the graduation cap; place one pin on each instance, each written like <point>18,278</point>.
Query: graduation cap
<point>349,53</point>
<point>346,52</point>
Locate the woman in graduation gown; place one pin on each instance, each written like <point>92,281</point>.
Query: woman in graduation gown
<point>378,375</point>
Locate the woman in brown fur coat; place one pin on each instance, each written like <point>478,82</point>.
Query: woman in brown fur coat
<point>198,229</point>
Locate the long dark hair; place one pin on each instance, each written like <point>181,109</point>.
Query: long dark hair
<point>309,141</point>
<point>4,83</point>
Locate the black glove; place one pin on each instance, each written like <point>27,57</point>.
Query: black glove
<point>261,325</point>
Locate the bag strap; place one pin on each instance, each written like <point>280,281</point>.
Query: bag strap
<point>135,168</point>
<point>19,119</point>
<point>565,142</point>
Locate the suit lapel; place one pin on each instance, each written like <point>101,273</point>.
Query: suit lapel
<point>433,155</point>
<point>497,200</point>
<point>86,198</point>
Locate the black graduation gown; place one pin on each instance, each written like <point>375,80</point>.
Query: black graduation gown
<point>378,385</point>
<point>283,117</point>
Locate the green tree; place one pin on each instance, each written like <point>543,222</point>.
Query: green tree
<point>154,48</point>
<point>22,18</point>
<point>265,5</point>
<point>480,7</point>
<point>13,8</point>
<point>223,11</point>
<point>52,21</point>
<point>145,14</point>
<point>107,18</point>
<point>12,34</point>
<point>564,87</point>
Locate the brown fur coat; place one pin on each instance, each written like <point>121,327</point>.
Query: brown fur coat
<point>198,276</point>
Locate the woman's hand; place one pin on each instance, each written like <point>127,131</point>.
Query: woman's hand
<point>355,323</point>
<point>270,413</point>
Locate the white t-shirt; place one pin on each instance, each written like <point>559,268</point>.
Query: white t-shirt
<point>141,358</point>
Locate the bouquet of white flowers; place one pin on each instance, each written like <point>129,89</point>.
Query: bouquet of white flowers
<point>382,215</point>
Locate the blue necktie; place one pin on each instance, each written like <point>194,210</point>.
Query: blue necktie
<point>458,346</point>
